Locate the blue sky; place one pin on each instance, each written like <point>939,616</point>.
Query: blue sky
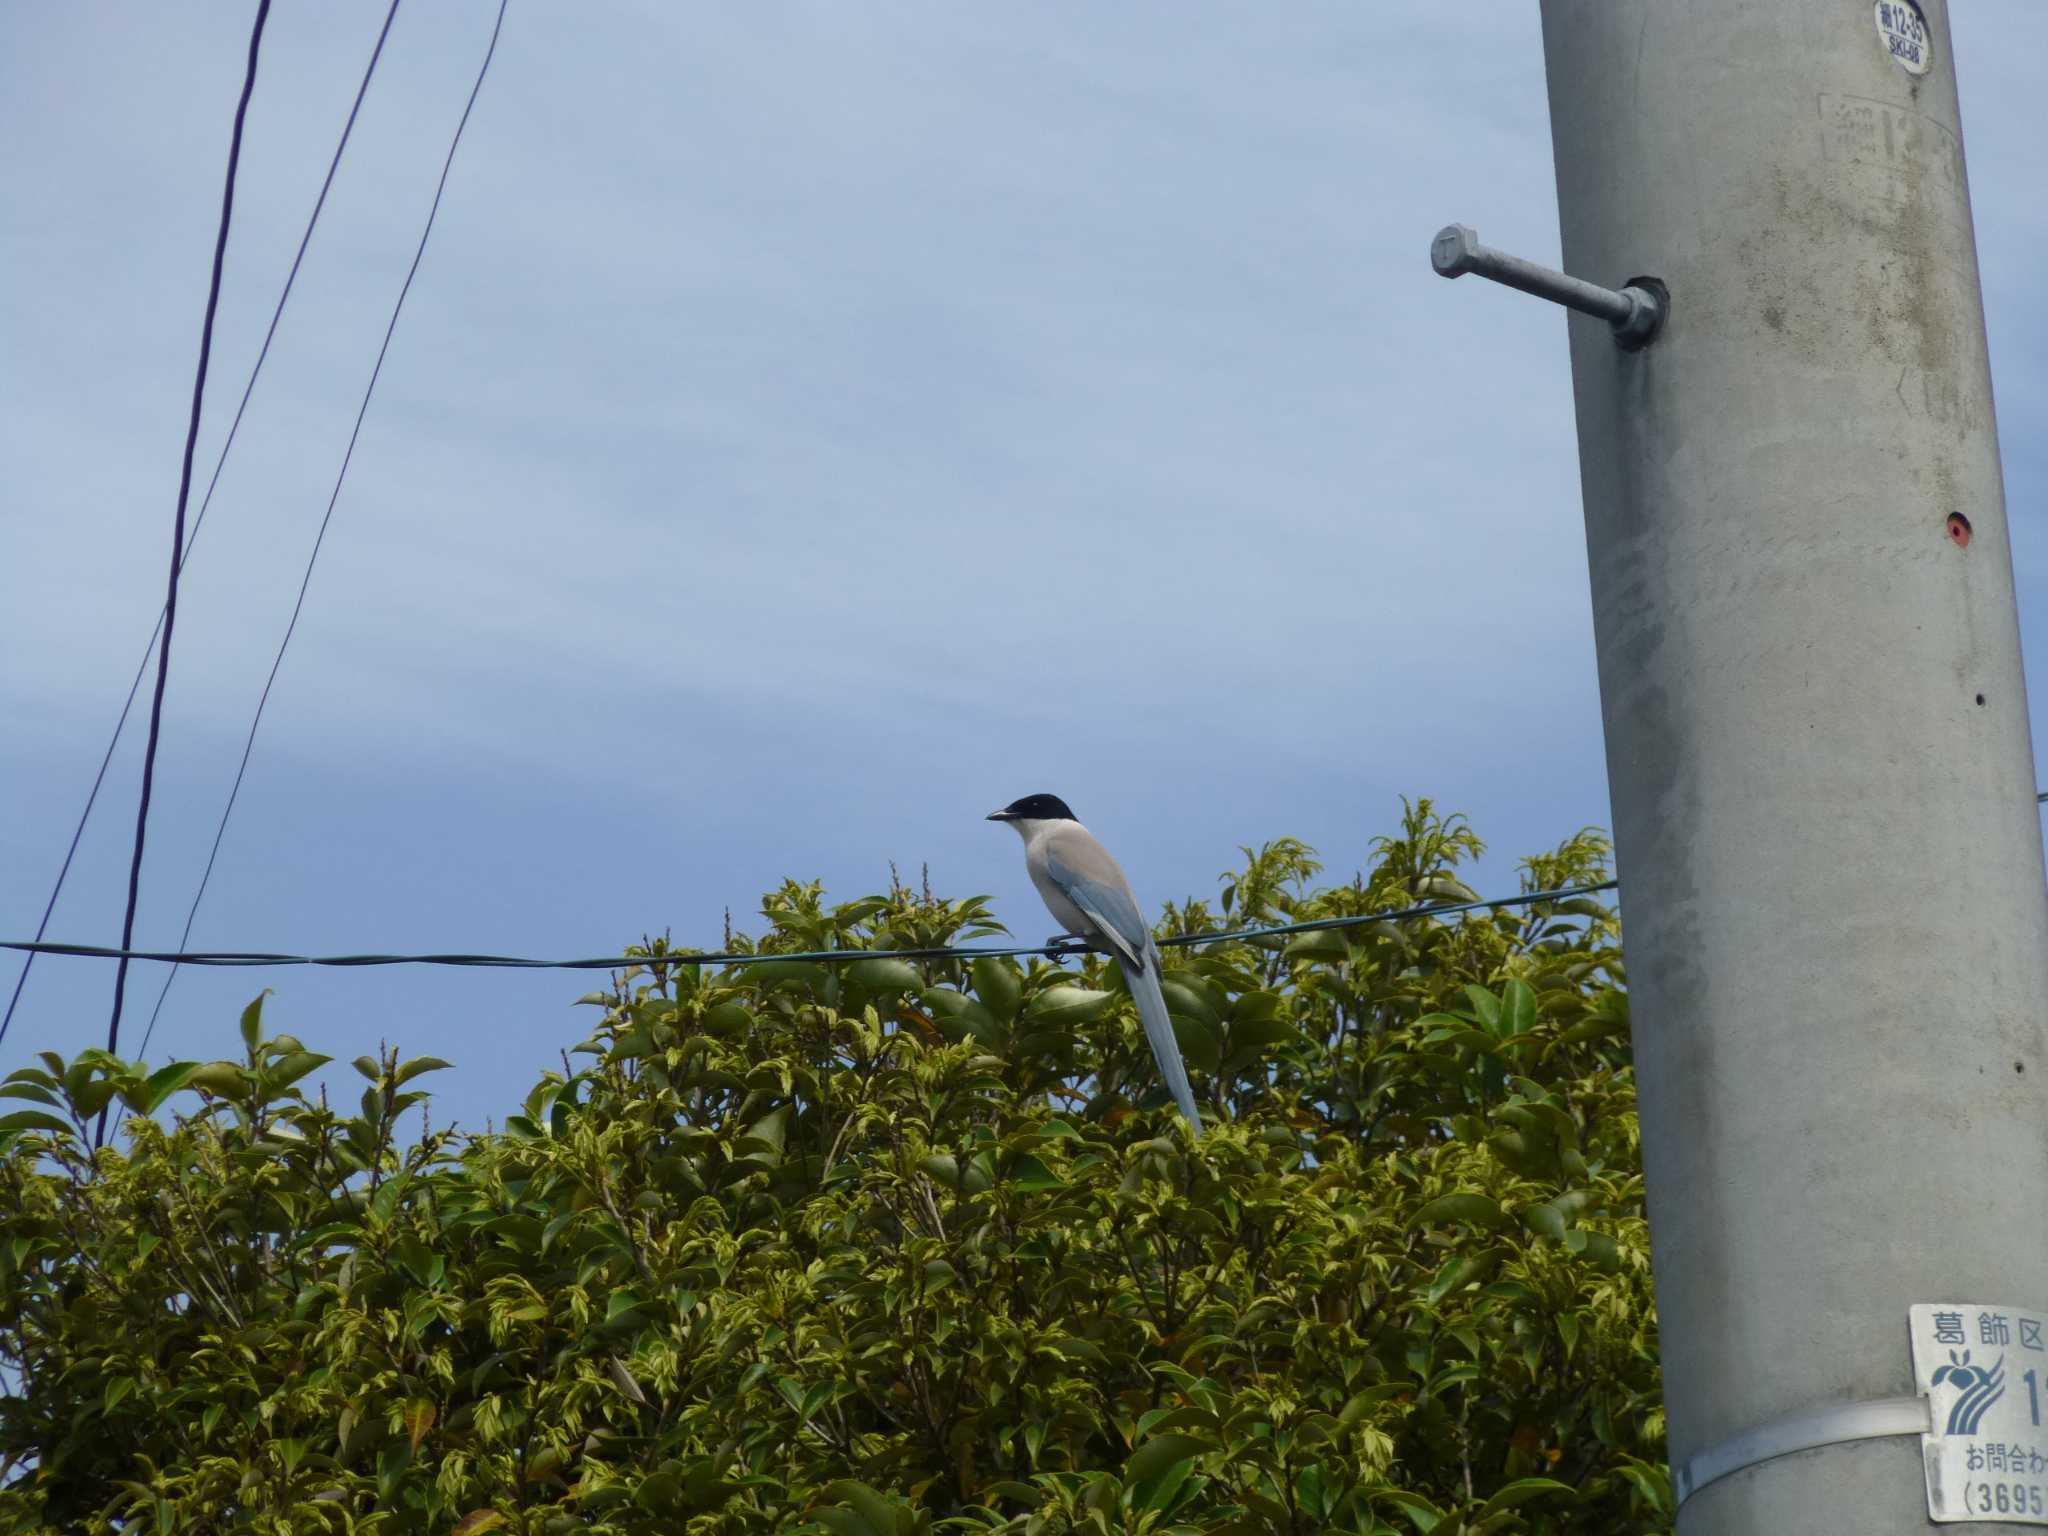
<point>812,426</point>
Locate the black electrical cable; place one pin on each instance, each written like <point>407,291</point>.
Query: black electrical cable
<point>259,958</point>
<point>163,656</point>
<point>199,518</point>
<point>312,559</point>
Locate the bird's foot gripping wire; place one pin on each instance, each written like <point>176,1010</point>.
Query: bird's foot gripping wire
<point>1061,945</point>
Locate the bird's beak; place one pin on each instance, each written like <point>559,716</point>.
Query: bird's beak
<point>999,816</point>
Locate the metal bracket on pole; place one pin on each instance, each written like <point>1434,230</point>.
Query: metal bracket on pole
<point>1636,312</point>
<point>1877,1419</point>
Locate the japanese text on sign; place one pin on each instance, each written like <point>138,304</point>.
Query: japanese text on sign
<point>1984,1371</point>
<point>1903,30</point>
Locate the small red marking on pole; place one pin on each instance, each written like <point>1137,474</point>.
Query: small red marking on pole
<point>1959,530</point>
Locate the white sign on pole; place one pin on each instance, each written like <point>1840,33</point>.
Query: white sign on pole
<point>1984,1370</point>
<point>1902,28</point>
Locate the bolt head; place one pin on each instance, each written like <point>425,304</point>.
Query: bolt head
<point>1649,303</point>
<point>1454,250</point>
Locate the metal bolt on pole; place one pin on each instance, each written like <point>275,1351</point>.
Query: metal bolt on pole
<point>1635,313</point>
<point>1818,754</point>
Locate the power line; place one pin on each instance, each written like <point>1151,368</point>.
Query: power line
<point>257,958</point>
<point>248,958</point>
<point>199,519</point>
<point>313,558</point>
<point>163,659</point>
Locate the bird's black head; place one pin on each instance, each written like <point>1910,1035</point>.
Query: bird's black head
<point>1034,808</point>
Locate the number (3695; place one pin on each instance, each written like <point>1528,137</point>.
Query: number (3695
<point>2009,1499</point>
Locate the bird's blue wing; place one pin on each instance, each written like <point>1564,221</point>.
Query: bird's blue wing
<point>1089,878</point>
<point>1091,881</point>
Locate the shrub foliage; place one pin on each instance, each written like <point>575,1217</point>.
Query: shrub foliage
<point>883,1247</point>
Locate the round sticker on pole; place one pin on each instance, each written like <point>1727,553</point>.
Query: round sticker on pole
<point>1902,28</point>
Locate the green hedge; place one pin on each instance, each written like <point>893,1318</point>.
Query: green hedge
<point>883,1248</point>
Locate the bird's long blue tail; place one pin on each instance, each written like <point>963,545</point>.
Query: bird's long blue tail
<point>1152,1013</point>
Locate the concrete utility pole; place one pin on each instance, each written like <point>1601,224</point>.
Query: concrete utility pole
<point>1817,739</point>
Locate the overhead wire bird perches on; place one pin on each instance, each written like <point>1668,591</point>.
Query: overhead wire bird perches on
<point>822,956</point>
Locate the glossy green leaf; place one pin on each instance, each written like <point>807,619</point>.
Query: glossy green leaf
<point>1467,1269</point>
<point>418,1066</point>
<point>873,978</point>
<point>729,1019</point>
<point>960,1016</point>
<point>1420,1512</point>
<point>252,1020</point>
<point>164,1082</point>
<point>1160,1453</point>
<point>1472,1209</point>
<point>1030,1173</point>
<point>786,975</point>
<point>1517,1008</point>
<point>1320,944</point>
<point>875,1510</point>
<point>1523,1490</point>
<point>290,1068</point>
<point>999,986</point>
<point>1597,1248</point>
<point>1445,887</point>
<point>35,1120</point>
<point>220,1077</point>
<point>1068,1007</point>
